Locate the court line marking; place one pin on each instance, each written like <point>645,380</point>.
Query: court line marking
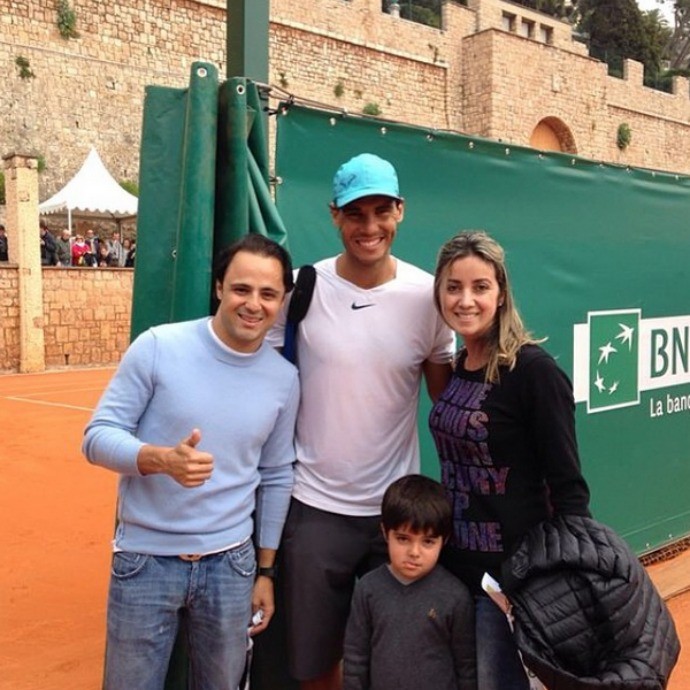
<point>49,404</point>
<point>72,371</point>
<point>53,391</point>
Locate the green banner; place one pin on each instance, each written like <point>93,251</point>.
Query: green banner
<point>599,257</point>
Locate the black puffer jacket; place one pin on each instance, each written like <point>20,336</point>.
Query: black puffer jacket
<point>587,616</point>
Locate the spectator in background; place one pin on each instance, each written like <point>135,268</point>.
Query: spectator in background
<point>105,259</point>
<point>63,246</point>
<point>93,242</point>
<point>48,246</point>
<point>90,257</point>
<point>116,250</point>
<point>79,250</point>
<point>130,248</point>
<point>4,252</point>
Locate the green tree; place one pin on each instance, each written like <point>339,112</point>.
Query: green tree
<point>678,44</point>
<point>657,35</point>
<point>616,30</point>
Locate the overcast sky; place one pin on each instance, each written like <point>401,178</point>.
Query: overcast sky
<point>666,8</point>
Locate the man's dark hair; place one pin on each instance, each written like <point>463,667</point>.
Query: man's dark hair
<point>254,244</point>
<point>419,503</point>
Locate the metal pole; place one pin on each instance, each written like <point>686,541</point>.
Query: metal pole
<point>247,39</point>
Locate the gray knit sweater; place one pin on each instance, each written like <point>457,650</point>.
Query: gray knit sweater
<point>410,636</point>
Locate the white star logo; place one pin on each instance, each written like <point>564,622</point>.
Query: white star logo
<point>626,335</point>
<point>606,350</point>
<point>599,383</point>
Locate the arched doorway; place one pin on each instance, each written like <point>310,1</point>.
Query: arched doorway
<point>552,134</point>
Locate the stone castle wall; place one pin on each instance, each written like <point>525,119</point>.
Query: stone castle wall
<point>473,76</point>
<point>576,90</point>
<point>86,315</point>
<point>90,90</point>
<point>483,74</point>
<point>9,318</point>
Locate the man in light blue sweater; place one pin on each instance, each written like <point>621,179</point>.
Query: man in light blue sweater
<point>198,421</point>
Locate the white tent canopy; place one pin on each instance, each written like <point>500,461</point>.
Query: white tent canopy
<point>93,192</point>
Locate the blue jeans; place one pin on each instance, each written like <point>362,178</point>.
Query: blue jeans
<point>147,596</point>
<point>498,664</point>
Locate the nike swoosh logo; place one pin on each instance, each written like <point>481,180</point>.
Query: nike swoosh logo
<point>361,306</point>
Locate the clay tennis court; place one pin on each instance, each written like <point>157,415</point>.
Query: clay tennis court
<point>57,521</point>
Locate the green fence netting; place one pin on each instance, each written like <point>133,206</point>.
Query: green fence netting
<point>203,184</point>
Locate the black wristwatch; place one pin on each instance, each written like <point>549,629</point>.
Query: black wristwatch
<point>267,572</point>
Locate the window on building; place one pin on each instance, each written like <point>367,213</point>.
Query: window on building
<point>508,21</point>
<point>526,28</point>
<point>545,34</point>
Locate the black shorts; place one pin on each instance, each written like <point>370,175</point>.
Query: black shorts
<point>323,554</point>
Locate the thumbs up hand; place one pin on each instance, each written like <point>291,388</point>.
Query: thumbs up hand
<point>187,465</point>
<point>184,463</point>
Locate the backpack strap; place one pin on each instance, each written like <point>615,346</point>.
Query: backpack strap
<point>299,306</point>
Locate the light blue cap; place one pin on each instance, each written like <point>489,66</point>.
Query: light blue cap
<point>364,175</point>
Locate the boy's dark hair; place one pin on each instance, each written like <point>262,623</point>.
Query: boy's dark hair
<point>254,244</point>
<point>419,503</point>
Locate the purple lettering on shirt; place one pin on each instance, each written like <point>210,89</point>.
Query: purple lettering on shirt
<point>478,536</point>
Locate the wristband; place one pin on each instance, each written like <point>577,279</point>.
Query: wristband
<point>267,572</point>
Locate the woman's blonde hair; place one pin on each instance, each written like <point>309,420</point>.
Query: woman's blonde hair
<point>508,334</point>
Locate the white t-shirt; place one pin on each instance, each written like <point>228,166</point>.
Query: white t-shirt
<point>360,354</point>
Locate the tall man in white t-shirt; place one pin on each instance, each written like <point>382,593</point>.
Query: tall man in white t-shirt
<point>370,333</point>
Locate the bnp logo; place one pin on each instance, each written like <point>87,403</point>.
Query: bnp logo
<point>614,338</point>
<point>617,355</point>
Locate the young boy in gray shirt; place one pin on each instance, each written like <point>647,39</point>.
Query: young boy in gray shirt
<point>412,623</point>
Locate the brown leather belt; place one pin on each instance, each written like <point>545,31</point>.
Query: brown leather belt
<point>194,557</point>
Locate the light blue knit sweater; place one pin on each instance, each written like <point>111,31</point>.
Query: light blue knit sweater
<point>172,379</point>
